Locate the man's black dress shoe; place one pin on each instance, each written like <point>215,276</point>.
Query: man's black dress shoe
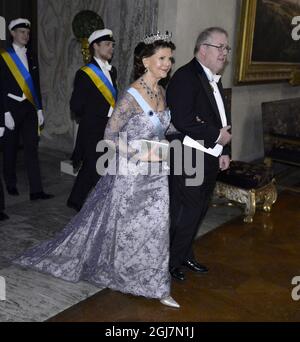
<point>40,195</point>
<point>12,191</point>
<point>177,274</point>
<point>3,216</point>
<point>73,205</point>
<point>195,266</point>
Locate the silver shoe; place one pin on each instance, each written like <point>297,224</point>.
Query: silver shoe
<point>169,301</point>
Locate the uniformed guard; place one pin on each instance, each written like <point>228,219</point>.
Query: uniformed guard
<point>23,115</point>
<point>93,100</point>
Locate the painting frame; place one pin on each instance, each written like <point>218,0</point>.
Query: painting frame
<point>249,71</point>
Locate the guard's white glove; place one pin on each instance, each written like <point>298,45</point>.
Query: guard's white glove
<point>9,121</point>
<point>40,117</point>
<point>2,129</point>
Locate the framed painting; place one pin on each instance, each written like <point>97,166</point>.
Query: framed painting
<point>266,49</point>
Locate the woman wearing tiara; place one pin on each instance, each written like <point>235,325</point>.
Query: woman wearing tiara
<point>120,238</point>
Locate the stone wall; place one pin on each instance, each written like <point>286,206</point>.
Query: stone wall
<point>60,56</point>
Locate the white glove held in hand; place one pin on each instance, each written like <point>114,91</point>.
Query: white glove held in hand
<point>2,129</point>
<point>9,121</point>
<point>40,117</point>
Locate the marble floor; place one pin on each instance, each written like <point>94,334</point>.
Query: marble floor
<point>32,296</point>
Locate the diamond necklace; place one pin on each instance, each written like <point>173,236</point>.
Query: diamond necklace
<point>153,95</point>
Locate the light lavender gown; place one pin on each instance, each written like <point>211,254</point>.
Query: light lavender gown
<point>120,238</point>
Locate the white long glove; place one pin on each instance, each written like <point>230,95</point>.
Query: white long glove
<point>9,121</point>
<point>2,129</point>
<point>40,117</point>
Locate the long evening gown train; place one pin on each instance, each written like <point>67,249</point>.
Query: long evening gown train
<point>120,238</point>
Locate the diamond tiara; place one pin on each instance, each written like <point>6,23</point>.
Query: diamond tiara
<point>151,38</point>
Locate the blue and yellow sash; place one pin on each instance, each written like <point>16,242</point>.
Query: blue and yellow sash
<point>21,75</point>
<point>102,83</point>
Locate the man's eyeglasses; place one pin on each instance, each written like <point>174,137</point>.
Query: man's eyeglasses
<point>221,48</point>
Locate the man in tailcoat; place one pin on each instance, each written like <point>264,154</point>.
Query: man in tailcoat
<point>92,102</point>
<point>195,97</point>
<point>23,115</point>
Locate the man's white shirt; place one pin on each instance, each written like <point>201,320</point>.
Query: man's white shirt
<point>213,80</point>
<point>218,149</point>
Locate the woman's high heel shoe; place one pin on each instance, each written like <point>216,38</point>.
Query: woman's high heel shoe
<point>169,301</point>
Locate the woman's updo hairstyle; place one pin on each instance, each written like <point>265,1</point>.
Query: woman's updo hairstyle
<point>144,50</point>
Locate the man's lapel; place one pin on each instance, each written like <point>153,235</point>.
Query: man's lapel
<point>227,111</point>
<point>113,78</point>
<point>206,85</point>
<point>31,65</point>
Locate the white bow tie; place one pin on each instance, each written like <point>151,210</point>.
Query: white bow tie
<point>107,66</point>
<point>22,50</point>
<point>215,78</point>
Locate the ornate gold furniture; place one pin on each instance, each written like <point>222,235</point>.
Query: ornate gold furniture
<point>248,184</point>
